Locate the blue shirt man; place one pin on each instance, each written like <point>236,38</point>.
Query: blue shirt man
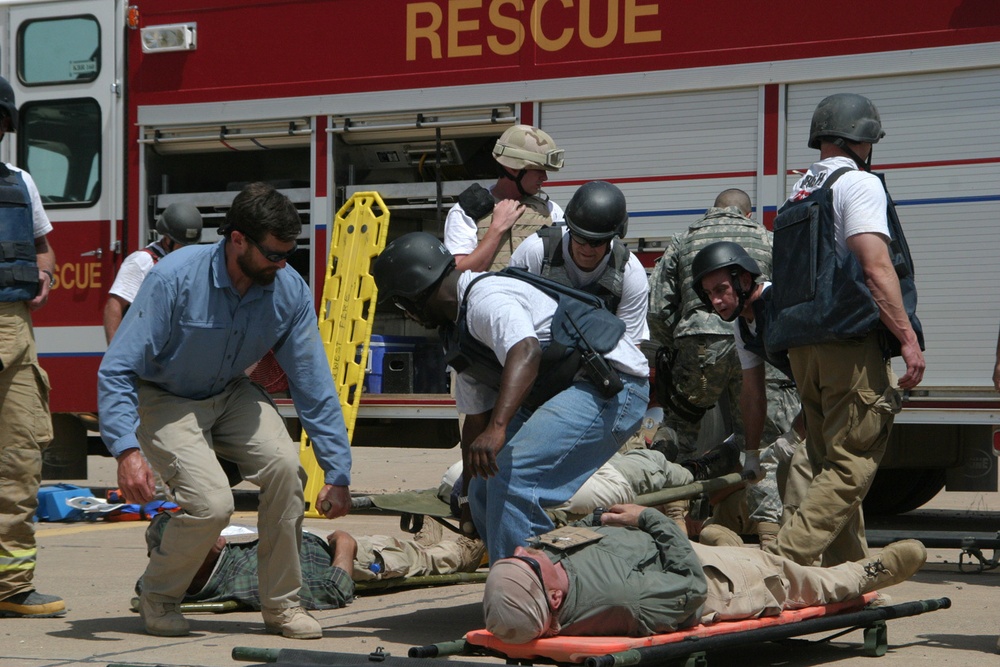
<point>176,368</point>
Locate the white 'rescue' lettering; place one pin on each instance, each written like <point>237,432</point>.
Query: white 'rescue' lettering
<point>460,28</point>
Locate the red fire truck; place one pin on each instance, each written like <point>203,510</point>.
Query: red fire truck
<point>125,108</point>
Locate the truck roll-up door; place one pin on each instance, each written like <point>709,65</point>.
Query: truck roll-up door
<point>941,158</point>
<point>670,154</point>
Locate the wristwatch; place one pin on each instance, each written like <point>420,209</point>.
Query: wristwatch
<point>52,278</point>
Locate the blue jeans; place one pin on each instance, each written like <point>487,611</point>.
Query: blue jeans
<point>549,454</point>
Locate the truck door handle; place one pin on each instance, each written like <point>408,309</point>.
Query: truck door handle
<point>99,253</point>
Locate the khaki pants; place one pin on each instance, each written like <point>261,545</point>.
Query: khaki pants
<point>749,583</point>
<point>181,437</point>
<point>407,558</point>
<point>25,431</point>
<point>848,401</point>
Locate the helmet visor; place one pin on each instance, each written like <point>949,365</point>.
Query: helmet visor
<point>552,159</point>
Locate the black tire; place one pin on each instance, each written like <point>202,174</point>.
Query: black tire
<point>899,490</point>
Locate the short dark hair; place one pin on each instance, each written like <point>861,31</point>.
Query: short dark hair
<point>259,209</point>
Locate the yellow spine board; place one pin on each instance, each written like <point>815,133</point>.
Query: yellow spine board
<point>347,309</point>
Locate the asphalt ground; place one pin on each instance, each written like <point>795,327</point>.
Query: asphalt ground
<point>95,565</point>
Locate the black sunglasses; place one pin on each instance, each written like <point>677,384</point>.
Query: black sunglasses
<point>271,255</point>
<point>535,567</point>
<point>590,242</point>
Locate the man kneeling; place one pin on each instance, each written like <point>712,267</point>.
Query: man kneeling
<point>638,576</point>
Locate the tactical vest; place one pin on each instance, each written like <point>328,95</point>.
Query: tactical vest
<point>608,287</point>
<point>754,342</point>
<point>580,325</point>
<point>18,263</point>
<point>819,297</point>
<point>478,203</point>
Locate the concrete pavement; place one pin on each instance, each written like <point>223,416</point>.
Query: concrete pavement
<point>94,567</point>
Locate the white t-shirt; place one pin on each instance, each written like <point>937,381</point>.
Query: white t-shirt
<point>132,272</point>
<point>461,234</point>
<point>505,311</point>
<point>40,223</point>
<point>634,304</point>
<point>747,358</point>
<point>859,203</point>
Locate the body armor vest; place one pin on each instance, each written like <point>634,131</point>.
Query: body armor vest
<point>819,297</point>
<point>581,326</point>
<point>608,287</point>
<point>18,263</point>
<point>754,342</point>
<point>535,216</point>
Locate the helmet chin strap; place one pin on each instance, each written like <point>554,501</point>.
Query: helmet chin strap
<point>741,294</point>
<point>866,165</point>
<point>516,179</point>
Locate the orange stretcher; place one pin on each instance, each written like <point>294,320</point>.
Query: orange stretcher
<point>578,649</point>
<point>690,644</point>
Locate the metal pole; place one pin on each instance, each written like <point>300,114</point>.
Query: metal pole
<point>665,652</point>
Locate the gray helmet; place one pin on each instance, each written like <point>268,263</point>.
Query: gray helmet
<point>846,115</point>
<point>722,255</point>
<point>597,212</point>
<point>180,222</point>
<point>7,104</point>
<point>526,147</point>
<point>409,266</point>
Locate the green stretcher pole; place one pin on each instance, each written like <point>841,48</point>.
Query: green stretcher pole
<point>426,580</point>
<point>663,653</point>
<point>456,647</point>
<point>693,489</point>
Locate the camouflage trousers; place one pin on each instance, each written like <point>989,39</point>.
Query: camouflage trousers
<point>764,497</point>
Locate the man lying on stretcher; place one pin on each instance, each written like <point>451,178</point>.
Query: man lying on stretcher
<point>637,575</point>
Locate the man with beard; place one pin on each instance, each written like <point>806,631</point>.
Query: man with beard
<point>176,365</point>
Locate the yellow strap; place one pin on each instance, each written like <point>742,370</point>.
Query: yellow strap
<point>347,309</point>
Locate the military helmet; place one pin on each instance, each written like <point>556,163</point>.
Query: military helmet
<point>846,115</point>
<point>7,103</point>
<point>410,265</point>
<point>526,147</point>
<point>597,212</point>
<point>180,222</point>
<point>721,255</point>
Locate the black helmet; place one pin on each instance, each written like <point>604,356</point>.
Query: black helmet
<point>597,212</point>
<point>410,265</point>
<point>180,222</point>
<point>721,255</point>
<point>7,103</point>
<point>846,115</point>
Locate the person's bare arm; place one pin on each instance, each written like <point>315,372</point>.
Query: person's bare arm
<point>519,373</point>
<point>505,214</point>
<point>872,252</point>
<point>114,311</point>
<point>345,550</point>
<point>135,477</point>
<point>45,257</point>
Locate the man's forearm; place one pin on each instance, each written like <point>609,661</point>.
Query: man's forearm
<point>753,405</point>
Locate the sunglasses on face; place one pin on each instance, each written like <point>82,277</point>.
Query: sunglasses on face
<point>535,567</point>
<point>582,241</point>
<point>271,255</point>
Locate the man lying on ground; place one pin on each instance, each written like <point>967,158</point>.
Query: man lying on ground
<point>638,575</point>
<point>329,567</point>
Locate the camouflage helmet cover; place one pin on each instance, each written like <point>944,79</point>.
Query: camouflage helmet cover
<point>527,147</point>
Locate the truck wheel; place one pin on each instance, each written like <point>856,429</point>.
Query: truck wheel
<point>898,490</point>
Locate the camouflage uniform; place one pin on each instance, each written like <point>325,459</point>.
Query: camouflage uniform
<point>704,365</point>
